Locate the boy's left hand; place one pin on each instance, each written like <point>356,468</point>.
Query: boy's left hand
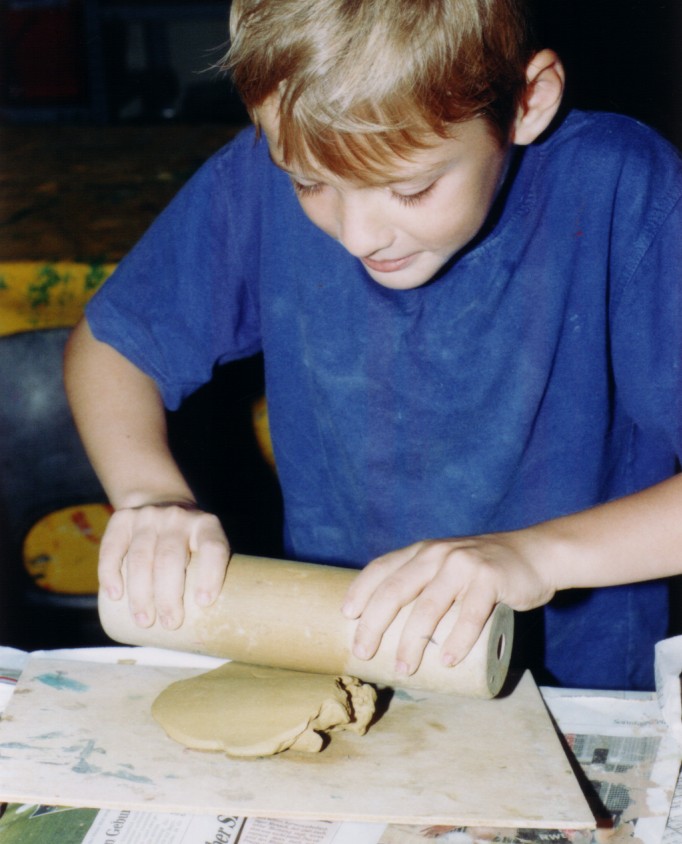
<point>477,572</point>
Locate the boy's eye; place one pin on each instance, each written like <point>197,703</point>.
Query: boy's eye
<point>413,198</point>
<point>304,190</point>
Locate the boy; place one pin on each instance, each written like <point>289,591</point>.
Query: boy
<point>469,310</point>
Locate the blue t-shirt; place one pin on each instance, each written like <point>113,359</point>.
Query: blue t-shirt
<point>538,375</point>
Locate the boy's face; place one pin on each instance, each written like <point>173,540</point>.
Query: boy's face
<point>406,230</point>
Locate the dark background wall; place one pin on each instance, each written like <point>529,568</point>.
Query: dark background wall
<point>137,61</point>
<point>620,55</point>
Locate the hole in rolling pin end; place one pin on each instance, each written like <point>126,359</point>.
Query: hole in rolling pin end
<point>501,645</point>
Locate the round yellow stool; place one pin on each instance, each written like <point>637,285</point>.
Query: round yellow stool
<point>60,551</point>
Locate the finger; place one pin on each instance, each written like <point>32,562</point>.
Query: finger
<point>428,610</point>
<point>371,577</point>
<point>112,551</point>
<point>211,552</point>
<point>476,608</point>
<point>171,557</point>
<point>392,594</point>
<point>140,576</point>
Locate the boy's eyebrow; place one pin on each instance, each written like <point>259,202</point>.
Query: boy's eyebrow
<point>430,173</point>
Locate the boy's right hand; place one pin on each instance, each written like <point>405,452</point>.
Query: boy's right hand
<point>145,552</point>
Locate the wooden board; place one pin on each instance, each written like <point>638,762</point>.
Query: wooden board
<point>81,734</point>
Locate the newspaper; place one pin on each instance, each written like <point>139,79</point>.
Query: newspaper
<point>669,683</point>
<point>625,753</point>
<point>673,831</point>
<point>29,824</point>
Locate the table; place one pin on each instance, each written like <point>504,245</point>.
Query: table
<point>85,193</point>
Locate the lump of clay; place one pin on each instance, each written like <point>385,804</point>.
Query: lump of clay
<point>249,710</point>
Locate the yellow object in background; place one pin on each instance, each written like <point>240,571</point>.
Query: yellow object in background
<point>261,426</point>
<point>60,551</point>
<point>39,294</point>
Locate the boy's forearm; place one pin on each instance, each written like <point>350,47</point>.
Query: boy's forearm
<point>121,419</point>
<point>635,538</point>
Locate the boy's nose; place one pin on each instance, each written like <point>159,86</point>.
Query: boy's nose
<point>361,226</point>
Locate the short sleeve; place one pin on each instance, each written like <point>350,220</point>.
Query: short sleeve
<point>184,300</point>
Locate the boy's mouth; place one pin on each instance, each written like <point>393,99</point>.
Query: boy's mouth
<point>388,266</point>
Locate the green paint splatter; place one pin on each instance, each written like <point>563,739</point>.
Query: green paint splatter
<point>48,280</point>
<point>94,277</point>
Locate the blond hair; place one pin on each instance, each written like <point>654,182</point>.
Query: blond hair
<point>364,82</point>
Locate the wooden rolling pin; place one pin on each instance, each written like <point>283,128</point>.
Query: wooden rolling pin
<point>288,615</point>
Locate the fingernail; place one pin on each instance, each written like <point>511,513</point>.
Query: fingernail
<point>448,660</point>
<point>361,652</point>
<point>348,610</point>
<point>402,668</point>
<point>204,599</point>
<point>114,593</point>
<point>167,621</point>
<point>142,618</point>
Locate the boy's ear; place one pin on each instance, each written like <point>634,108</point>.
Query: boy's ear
<point>545,79</point>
